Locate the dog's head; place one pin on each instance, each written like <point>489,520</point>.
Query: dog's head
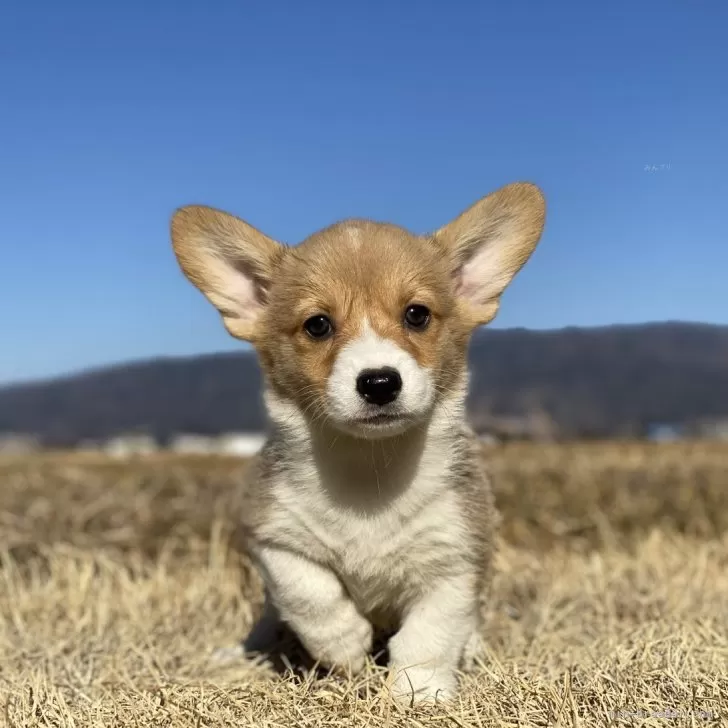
<point>363,325</point>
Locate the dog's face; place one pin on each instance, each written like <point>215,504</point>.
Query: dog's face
<point>363,326</point>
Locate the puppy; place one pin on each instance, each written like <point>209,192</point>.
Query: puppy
<point>368,510</point>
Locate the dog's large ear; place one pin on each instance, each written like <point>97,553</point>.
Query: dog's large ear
<point>230,261</point>
<point>489,243</point>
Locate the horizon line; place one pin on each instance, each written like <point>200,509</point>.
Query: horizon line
<point>248,349</point>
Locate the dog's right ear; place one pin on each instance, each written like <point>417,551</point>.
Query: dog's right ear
<point>230,261</point>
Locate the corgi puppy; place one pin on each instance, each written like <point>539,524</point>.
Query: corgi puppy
<point>368,511</point>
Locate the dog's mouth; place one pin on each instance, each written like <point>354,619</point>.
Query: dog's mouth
<point>374,424</point>
<point>382,418</point>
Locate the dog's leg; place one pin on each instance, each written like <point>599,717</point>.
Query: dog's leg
<point>426,652</point>
<point>312,601</point>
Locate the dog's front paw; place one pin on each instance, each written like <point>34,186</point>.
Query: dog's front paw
<point>344,646</point>
<point>418,685</point>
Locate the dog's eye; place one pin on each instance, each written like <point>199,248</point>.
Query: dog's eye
<point>318,327</point>
<point>417,317</point>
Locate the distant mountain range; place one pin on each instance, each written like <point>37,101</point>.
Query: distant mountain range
<point>590,381</point>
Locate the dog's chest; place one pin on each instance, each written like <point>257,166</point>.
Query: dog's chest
<point>386,563</point>
<point>386,555</point>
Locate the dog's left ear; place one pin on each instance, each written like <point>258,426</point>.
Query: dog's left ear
<point>489,243</point>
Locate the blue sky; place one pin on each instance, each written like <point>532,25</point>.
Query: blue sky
<point>293,115</point>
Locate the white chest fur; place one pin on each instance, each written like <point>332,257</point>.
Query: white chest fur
<point>383,516</point>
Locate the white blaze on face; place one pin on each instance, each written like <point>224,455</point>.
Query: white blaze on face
<point>371,351</point>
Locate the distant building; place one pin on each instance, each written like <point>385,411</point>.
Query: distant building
<point>535,425</point>
<point>713,429</point>
<point>242,444</point>
<point>488,439</point>
<point>16,444</point>
<point>188,444</point>
<point>720,430</point>
<point>125,446</point>
<point>703,429</point>
<point>664,432</point>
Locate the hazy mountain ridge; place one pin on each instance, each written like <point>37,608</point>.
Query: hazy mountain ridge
<point>591,381</point>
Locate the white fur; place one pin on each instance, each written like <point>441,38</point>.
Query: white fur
<point>313,601</point>
<point>371,351</point>
<point>327,565</point>
<point>430,644</point>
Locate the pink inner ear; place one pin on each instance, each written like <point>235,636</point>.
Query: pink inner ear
<point>483,277</point>
<point>235,292</point>
<point>465,286</point>
<point>246,301</point>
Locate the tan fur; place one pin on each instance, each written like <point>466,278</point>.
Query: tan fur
<point>374,277</point>
<point>511,219</point>
<point>359,527</point>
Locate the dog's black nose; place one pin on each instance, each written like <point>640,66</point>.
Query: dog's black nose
<point>379,386</point>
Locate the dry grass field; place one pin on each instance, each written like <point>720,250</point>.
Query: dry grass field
<point>610,607</point>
